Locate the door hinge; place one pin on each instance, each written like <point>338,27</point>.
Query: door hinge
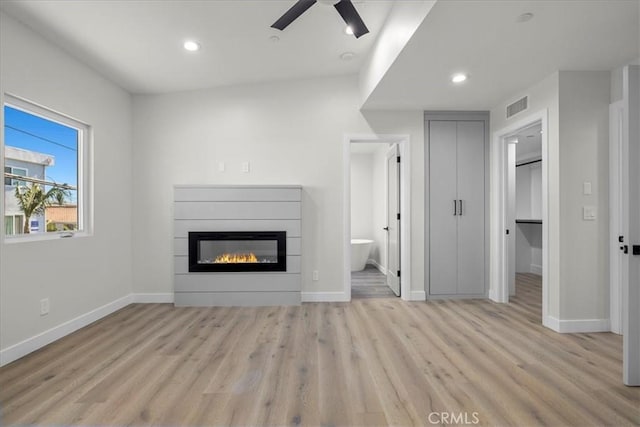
<point>398,273</point>
<point>398,159</point>
<point>398,217</point>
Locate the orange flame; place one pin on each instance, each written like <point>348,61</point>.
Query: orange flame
<point>236,259</point>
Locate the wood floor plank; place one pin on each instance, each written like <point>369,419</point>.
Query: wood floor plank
<point>371,362</point>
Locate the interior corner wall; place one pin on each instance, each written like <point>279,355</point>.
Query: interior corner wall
<point>80,274</point>
<point>290,133</point>
<point>584,157</point>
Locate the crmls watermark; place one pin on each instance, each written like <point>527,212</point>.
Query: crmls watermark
<point>458,418</point>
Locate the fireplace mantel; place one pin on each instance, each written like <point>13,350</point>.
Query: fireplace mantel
<point>240,210</point>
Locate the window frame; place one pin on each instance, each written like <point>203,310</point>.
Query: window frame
<point>14,182</point>
<point>84,161</point>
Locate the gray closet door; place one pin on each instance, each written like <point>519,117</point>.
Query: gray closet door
<point>442,220</point>
<point>471,193</point>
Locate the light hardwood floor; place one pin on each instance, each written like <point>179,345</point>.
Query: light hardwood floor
<point>366,363</point>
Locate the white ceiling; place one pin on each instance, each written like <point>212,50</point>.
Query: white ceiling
<point>138,43</point>
<point>502,56</point>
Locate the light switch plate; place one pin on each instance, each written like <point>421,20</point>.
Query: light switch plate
<point>221,166</point>
<point>586,188</point>
<point>589,213</point>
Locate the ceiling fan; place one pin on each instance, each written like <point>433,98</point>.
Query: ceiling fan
<point>345,8</point>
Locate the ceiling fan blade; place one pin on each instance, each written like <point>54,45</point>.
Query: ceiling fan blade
<point>347,10</point>
<point>292,14</point>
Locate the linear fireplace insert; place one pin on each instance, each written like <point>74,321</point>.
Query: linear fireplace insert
<point>234,251</point>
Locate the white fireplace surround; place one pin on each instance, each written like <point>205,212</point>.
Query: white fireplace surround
<point>237,208</point>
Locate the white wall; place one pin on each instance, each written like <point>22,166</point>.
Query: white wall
<point>404,19</point>
<point>577,104</point>
<point>78,274</point>
<point>379,252</point>
<point>290,132</point>
<point>584,156</point>
<point>362,196</point>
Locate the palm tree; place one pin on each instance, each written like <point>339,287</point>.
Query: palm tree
<point>33,200</point>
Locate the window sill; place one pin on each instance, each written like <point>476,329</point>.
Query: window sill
<point>23,238</point>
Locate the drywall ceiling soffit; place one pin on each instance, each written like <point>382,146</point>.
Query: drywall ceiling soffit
<point>501,55</point>
<point>138,43</point>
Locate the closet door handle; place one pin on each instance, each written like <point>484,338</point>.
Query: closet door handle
<point>460,207</point>
<point>455,212</point>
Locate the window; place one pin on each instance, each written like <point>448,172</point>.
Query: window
<point>50,151</point>
<point>15,171</point>
<point>13,224</point>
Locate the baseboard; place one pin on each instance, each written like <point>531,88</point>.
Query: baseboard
<point>418,296</point>
<point>325,297</point>
<point>32,344</point>
<point>153,298</point>
<point>577,326</point>
<point>535,269</point>
<point>377,265</point>
<point>493,295</point>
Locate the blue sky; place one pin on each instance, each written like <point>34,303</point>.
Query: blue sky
<point>29,132</point>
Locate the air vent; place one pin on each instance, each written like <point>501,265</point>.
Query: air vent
<point>518,106</point>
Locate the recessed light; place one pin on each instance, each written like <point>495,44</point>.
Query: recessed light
<point>191,45</point>
<point>524,17</point>
<point>274,39</point>
<point>348,30</point>
<point>347,56</point>
<point>459,78</point>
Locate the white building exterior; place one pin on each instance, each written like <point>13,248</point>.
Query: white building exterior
<point>25,163</point>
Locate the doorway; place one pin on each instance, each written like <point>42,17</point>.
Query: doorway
<point>377,226</point>
<point>525,206</point>
<point>511,222</point>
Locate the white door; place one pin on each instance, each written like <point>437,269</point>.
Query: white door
<point>393,220</point>
<point>470,180</point>
<point>443,208</point>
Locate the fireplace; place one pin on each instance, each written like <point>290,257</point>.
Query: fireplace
<point>236,251</point>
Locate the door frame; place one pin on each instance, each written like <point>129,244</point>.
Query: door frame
<point>392,152</point>
<point>501,218</point>
<point>404,148</point>
<point>483,116</point>
<point>618,212</point>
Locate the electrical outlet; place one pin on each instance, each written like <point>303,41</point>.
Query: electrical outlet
<point>245,167</point>
<point>221,166</point>
<point>44,307</point>
<point>315,276</point>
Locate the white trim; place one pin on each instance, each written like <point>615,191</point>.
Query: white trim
<point>618,212</point>
<point>578,326</point>
<point>418,295</point>
<point>404,146</point>
<point>84,156</point>
<point>377,265</point>
<point>500,221</point>
<point>535,269</point>
<point>325,297</point>
<point>153,298</point>
<point>32,344</point>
